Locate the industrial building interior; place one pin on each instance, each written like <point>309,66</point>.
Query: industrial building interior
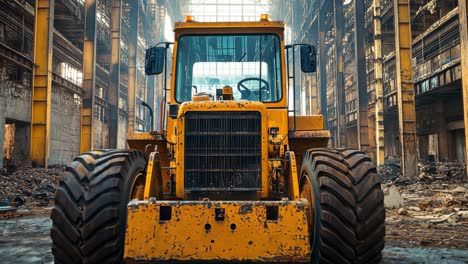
<point>390,84</point>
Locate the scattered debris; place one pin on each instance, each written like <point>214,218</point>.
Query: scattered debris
<point>459,189</point>
<point>27,188</point>
<point>402,211</point>
<point>8,212</point>
<point>4,202</point>
<point>431,211</point>
<point>414,208</point>
<point>429,171</point>
<point>6,209</point>
<point>18,201</point>
<point>389,171</point>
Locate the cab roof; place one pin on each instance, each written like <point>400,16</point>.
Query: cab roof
<point>228,27</point>
<point>258,24</point>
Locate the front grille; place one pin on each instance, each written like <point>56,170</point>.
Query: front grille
<point>223,151</point>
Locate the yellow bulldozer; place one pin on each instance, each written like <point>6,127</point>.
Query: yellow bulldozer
<point>232,174</point>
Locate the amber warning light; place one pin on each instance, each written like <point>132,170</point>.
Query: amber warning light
<point>264,17</point>
<point>190,19</point>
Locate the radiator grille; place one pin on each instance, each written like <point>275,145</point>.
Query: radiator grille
<point>223,151</point>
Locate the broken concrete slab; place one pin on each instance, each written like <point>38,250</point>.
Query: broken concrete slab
<point>414,208</point>
<point>459,189</point>
<point>393,199</point>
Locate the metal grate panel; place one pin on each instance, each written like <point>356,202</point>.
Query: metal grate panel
<point>223,151</point>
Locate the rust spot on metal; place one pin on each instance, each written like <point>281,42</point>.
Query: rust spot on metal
<point>261,240</point>
<point>245,208</point>
<point>310,134</point>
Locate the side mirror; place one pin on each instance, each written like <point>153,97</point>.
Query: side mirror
<point>154,60</point>
<point>308,59</point>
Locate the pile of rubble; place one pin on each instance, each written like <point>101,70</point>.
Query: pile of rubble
<point>389,171</point>
<point>429,211</point>
<point>427,171</point>
<point>27,188</point>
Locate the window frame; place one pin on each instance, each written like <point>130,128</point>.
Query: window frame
<point>279,60</point>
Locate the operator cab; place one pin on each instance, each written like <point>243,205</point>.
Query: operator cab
<point>250,63</point>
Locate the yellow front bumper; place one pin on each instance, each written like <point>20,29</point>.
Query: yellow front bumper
<point>217,231</point>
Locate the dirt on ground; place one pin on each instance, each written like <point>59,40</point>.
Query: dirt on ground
<point>430,211</point>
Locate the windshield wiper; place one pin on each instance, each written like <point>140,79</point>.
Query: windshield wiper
<point>245,53</point>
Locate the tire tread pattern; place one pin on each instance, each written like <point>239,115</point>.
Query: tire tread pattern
<point>87,224</point>
<point>352,214</point>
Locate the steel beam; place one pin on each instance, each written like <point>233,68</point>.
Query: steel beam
<point>89,76</point>
<point>361,82</point>
<point>114,85</point>
<point>150,98</point>
<point>463,14</point>
<point>42,82</point>
<point>322,65</point>
<point>132,61</point>
<point>340,83</point>
<point>405,91</point>
<point>378,72</point>
<point>15,57</point>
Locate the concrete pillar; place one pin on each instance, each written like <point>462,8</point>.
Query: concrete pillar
<point>361,74</point>
<point>114,85</point>
<point>132,70</point>
<point>340,85</point>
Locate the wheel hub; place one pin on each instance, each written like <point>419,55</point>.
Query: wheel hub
<point>138,187</point>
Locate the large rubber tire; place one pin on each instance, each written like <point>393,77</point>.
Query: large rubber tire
<point>90,211</point>
<point>348,217</point>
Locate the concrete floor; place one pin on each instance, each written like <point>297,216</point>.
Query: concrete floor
<point>26,240</point>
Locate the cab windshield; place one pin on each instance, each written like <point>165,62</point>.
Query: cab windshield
<point>250,64</point>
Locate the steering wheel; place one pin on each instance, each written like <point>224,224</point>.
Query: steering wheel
<point>245,92</point>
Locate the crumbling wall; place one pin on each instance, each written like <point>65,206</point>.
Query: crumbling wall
<point>122,136</point>
<point>440,118</point>
<point>431,123</point>
<point>391,137</point>
<point>65,126</point>
<point>22,145</point>
<point>101,134</point>
<point>15,97</point>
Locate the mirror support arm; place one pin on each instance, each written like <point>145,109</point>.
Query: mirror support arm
<point>167,44</point>
<point>143,103</point>
<point>293,76</point>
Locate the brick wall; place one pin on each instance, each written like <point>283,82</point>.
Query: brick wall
<point>65,127</point>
